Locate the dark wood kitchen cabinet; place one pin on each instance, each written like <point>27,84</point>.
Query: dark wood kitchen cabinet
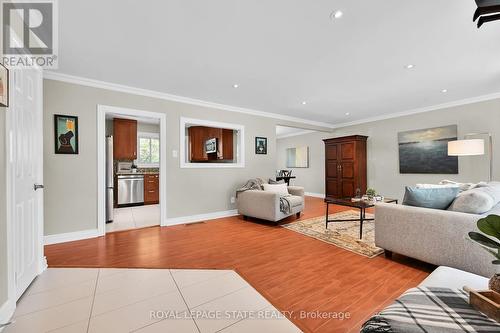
<point>345,166</point>
<point>198,135</point>
<point>124,139</point>
<point>151,189</point>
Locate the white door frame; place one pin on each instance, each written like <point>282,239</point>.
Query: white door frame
<point>102,110</point>
<point>10,195</point>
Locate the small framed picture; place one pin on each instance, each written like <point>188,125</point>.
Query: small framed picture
<point>260,145</point>
<point>4,86</point>
<point>66,134</point>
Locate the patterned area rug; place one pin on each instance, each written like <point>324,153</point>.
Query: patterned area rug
<point>341,234</point>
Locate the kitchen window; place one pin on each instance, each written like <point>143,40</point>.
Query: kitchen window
<point>148,148</point>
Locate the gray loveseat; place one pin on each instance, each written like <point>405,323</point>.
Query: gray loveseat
<point>266,205</point>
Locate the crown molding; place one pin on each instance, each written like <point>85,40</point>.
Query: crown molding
<point>303,132</point>
<point>50,75</point>
<point>466,101</point>
<point>175,98</point>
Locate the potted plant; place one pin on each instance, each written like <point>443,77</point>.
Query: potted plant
<point>489,225</point>
<point>371,193</point>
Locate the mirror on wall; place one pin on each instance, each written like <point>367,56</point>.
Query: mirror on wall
<point>297,157</point>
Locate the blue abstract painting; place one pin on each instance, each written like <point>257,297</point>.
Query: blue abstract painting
<point>426,151</point>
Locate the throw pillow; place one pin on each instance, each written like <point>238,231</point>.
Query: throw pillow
<point>475,201</point>
<point>272,181</point>
<point>281,189</point>
<point>436,198</point>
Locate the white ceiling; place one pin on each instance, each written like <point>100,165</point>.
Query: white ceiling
<point>283,52</point>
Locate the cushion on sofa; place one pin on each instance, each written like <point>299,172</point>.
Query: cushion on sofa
<point>478,200</point>
<point>462,186</point>
<point>435,185</point>
<point>436,198</point>
<point>281,189</point>
<point>492,188</point>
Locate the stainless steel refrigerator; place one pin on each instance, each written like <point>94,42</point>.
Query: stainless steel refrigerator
<point>109,179</point>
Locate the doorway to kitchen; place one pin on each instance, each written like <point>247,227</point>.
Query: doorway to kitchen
<point>131,169</point>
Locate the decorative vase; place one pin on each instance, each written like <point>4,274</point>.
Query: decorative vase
<point>494,283</point>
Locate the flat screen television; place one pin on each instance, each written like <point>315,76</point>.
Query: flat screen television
<point>211,145</point>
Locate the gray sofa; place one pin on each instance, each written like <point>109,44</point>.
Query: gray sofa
<point>435,236</point>
<point>266,205</point>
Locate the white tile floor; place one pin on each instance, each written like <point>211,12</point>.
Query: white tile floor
<point>134,217</point>
<point>78,300</point>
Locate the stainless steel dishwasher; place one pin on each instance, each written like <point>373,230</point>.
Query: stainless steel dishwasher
<point>130,190</point>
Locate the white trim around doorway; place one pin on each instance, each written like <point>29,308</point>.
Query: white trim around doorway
<point>102,110</point>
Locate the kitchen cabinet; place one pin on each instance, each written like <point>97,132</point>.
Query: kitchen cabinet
<point>151,189</point>
<point>125,139</point>
<point>198,135</point>
<point>345,166</point>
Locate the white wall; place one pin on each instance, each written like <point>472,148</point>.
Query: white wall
<point>312,178</point>
<point>383,156</point>
<point>71,180</point>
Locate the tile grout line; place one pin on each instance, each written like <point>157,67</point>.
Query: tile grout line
<point>214,299</point>
<point>184,300</point>
<point>185,303</point>
<point>222,329</point>
<point>63,286</point>
<point>144,299</point>
<point>53,306</point>
<point>50,307</point>
<point>93,299</point>
<point>199,282</point>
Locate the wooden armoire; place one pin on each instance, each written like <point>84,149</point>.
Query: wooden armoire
<point>345,166</point>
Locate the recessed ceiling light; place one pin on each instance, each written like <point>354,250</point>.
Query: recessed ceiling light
<point>444,90</point>
<point>347,113</point>
<point>236,85</point>
<point>409,66</point>
<point>304,103</point>
<point>336,14</point>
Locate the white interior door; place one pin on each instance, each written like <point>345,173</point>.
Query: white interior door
<point>26,171</point>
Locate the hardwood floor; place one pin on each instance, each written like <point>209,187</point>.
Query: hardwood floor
<point>294,272</point>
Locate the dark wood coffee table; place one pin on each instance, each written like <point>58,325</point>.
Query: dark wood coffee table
<point>361,205</point>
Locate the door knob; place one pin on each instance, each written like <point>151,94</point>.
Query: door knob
<point>37,186</point>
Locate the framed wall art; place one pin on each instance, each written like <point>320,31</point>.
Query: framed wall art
<point>66,134</point>
<point>426,151</point>
<point>260,145</point>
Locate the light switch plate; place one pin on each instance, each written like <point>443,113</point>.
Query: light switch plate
<point>174,153</point>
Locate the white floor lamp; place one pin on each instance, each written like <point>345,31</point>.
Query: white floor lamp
<point>472,147</point>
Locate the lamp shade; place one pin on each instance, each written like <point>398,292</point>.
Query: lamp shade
<point>466,147</point>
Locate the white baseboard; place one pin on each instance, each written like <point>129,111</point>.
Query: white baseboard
<point>6,312</point>
<point>92,233</point>
<point>316,195</point>
<point>70,236</point>
<point>200,217</point>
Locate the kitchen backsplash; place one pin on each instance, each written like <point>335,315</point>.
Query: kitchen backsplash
<point>148,169</point>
